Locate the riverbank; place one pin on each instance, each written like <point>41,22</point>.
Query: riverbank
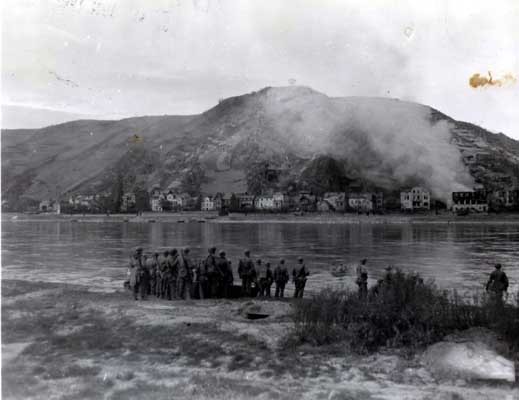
<point>62,341</point>
<point>286,218</point>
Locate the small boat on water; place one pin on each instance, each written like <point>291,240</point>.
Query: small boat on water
<point>181,221</point>
<point>201,221</point>
<point>339,271</point>
<point>151,220</point>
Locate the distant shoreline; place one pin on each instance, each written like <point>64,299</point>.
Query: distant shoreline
<point>256,218</point>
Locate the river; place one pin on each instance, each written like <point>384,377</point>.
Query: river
<point>95,253</point>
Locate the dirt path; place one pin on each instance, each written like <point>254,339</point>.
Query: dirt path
<point>64,342</point>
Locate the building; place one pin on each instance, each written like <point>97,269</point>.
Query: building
<point>264,202</point>
<point>360,202</point>
<point>378,201</point>
<point>336,201</point>
<point>156,201</point>
<point>82,200</point>
<point>415,199</point>
<point>208,203</point>
<point>506,198</point>
<point>474,201</point>
<point>280,201</point>
<point>246,201</point>
<point>128,201</point>
<point>218,201</point>
<point>306,201</point>
<point>50,206</point>
<point>324,206</point>
<point>175,200</point>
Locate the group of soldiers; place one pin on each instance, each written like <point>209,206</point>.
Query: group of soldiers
<point>173,275</point>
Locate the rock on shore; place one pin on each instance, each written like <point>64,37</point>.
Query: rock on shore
<point>471,355</point>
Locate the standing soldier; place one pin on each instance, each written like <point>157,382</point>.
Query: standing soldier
<point>362,283</point>
<point>264,278</point>
<point>280,278</point>
<point>199,281</point>
<point>162,262</point>
<point>212,273</point>
<point>173,274</point>
<point>299,275</point>
<point>224,266</point>
<point>144,277</point>
<point>361,268</point>
<point>135,267</point>
<point>185,274</point>
<point>246,273</point>
<point>497,283</point>
<point>151,265</point>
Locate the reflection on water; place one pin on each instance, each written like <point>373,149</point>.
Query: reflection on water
<point>457,256</point>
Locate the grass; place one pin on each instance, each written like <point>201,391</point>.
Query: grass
<point>405,312</point>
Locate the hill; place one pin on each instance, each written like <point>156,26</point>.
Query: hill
<point>275,138</point>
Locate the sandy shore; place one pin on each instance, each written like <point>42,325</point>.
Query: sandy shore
<point>62,341</point>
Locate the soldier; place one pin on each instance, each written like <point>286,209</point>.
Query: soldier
<point>362,283</point>
<point>214,276</point>
<point>224,266</point>
<point>361,267</point>
<point>199,281</point>
<point>158,281</point>
<point>246,273</point>
<point>144,278</point>
<point>185,274</point>
<point>280,278</point>
<point>173,274</point>
<point>299,277</point>
<point>264,279</point>
<point>151,265</point>
<point>162,262</point>
<point>497,283</point>
<point>134,267</point>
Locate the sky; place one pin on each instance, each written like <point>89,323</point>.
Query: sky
<point>109,59</point>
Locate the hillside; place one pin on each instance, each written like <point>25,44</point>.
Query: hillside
<point>268,139</point>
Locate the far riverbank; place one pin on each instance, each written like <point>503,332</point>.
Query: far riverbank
<point>313,218</point>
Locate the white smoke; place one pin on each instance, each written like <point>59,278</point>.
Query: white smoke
<point>387,141</point>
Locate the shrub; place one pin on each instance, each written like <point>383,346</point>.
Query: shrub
<point>401,310</point>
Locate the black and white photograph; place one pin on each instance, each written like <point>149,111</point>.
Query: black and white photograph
<point>259,199</point>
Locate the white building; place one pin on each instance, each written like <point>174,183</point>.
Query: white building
<point>156,202</point>
<point>362,202</point>
<point>417,198</point>
<point>280,200</point>
<point>264,202</point>
<point>208,204</point>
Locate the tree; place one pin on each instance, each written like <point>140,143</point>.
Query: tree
<point>117,193</point>
<point>165,204</point>
<point>234,203</point>
<point>142,200</point>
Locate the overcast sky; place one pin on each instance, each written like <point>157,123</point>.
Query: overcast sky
<point>70,59</point>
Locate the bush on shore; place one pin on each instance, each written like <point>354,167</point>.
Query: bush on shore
<point>403,311</point>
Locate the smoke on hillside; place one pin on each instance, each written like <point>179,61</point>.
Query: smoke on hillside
<point>386,141</point>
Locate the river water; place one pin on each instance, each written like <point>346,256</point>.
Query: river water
<point>96,253</point>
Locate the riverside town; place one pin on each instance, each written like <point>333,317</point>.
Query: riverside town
<point>413,200</point>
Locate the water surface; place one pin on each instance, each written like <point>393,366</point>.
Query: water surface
<point>96,253</point>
